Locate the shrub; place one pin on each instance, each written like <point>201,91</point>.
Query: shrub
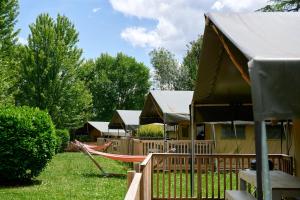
<point>62,139</point>
<point>151,131</point>
<point>27,142</point>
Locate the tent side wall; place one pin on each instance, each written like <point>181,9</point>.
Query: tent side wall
<point>94,134</point>
<point>245,145</point>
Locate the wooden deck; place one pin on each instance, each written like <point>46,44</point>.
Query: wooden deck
<point>168,176</point>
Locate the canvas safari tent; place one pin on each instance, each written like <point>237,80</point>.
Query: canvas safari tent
<point>249,70</point>
<point>100,129</point>
<point>127,120</point>
<point>168,107</point>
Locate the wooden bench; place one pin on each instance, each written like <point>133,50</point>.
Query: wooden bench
<point>237,195</point>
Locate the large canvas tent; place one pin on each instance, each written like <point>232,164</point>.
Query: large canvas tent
<point>249,70</point>
<point>168,107</point>
<point>125,119</point>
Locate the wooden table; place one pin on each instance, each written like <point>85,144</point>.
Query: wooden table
<point>282,184</point>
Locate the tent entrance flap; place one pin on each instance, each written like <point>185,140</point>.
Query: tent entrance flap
<point>275,88</point>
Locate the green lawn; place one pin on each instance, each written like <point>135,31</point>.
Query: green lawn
<point>72,176</point>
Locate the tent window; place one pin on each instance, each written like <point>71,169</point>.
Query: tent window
<point>200,132</point>
<point>274,132</point>
<point>228,132</point>
<point>185,132</point>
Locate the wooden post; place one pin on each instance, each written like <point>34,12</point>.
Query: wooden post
<point>136,167</point>
<point>192,147</point>
<point>130,175</point>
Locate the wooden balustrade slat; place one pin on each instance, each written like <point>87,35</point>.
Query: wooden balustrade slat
<point>236,173</point>
<point>230,172</point>
<point>212,177</point>
<point>224,186</point>
<point>206,178</point>
<point>219,192</point>
<point>163,177</point>
<point>169,177</point>
<point>181,163</point>
<point>157,178</point>
<point>199,174</point>
<point>186,177</point>
<point>175,172</point>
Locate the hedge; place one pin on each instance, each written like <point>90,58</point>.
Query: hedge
<point>62,140</point>
<point>151,131</point>
<point>27,142</point>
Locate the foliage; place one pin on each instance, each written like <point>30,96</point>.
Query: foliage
<point>49,72</point>
<point>27,142</point>
<point>282,6</point>
<point>8,51</point>
<point>166,68</point>
<point>72,176</point>
<point>63,139</point>
<point>169,74</point>
<point>191,61</point>
<point>81,138</point>
<point>116,83</point>
<point>150,130</point>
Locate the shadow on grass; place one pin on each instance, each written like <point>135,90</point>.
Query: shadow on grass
<point>23,183</point>
<point>108,175</point>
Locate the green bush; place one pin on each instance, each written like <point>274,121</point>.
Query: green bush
<point>150,131</point>
<point>27,142</point>
<point>62,139</point>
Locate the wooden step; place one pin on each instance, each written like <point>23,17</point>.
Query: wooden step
<point>238,195</point>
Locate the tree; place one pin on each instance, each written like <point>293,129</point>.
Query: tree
<point>282,6</point>
<point>191,61</point>
<point>166,68</point>
<point>50,72</point>
<point>8,58</point>
<point>116,83</point>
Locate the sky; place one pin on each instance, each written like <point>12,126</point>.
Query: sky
<point>133,27</point>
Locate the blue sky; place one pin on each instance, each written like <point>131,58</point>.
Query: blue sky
<point>131,26</point>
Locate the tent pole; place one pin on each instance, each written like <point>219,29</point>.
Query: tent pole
<point>192,148</point>
<point>258,145</point>
<point>262,162</point>
<point>165,135</point>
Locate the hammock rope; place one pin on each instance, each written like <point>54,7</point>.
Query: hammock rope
<point>103,147</point>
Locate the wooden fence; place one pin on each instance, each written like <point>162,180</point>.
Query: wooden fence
<point>168,176</point>
<point>144,147</point>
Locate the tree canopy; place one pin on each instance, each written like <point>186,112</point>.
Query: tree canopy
<point>282,6</point>
<point>191,61</point>
<point>49,72</point>
<point>165,68</point>
<point>116,83</point>
<point>8,50</point>
<point>169,74</point>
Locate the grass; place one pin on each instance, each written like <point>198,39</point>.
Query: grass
<point>72,176</point>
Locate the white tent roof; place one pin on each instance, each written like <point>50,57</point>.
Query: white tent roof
<point>125,119</point>
<point>103,128</point>
<point>174,105</point>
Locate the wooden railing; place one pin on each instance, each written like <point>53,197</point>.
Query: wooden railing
<point>134,191</point>
<point>143,147</point>
<point>168,176</point>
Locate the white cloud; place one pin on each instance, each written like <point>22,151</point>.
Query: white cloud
<point>238,5</point>
<point>139,36</point>
<point>96,10</point>
<point>177,22</point>
<point>22,40</point>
